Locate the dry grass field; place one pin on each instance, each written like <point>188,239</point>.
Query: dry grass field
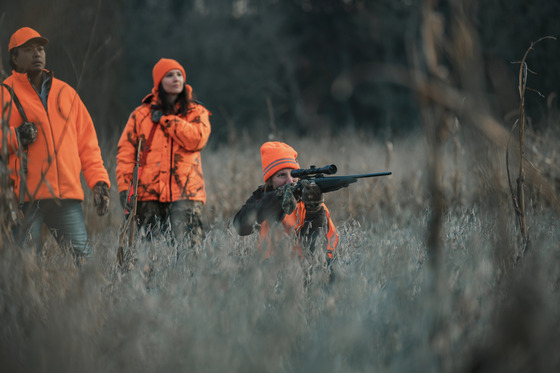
<point>432,273</point>
<point>488,304</point>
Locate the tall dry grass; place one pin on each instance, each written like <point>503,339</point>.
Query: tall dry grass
<point>224,307</point>
<point>488,305</point>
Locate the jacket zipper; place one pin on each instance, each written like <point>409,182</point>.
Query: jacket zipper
<point>55,158</point>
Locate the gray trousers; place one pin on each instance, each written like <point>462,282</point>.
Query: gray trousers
<point>180,219</point>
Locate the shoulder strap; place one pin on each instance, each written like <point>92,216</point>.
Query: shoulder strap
<point>16,101</point>
<point>142,160</point>
<point>23,157</point>
<point>148,144</point>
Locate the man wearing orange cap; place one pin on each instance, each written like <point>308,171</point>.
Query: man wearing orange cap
<point>307,216</point>
<point>173,128</point>
<point>50,140</point>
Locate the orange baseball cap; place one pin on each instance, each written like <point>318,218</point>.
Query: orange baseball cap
<point>23,35</point>
<point>276,156</point>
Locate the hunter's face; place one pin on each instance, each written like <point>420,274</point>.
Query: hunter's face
<point>283,177</point>
<point>31,58</point>
<point>173,82</point>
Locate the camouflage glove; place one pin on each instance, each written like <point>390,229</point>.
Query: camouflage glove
<point>101,197</point>
<point>27,133</point>
<point>285,193</point>
<point>312,196</point>
<point>156,115</point>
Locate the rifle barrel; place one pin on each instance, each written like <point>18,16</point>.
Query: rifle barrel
<point>387,173</point>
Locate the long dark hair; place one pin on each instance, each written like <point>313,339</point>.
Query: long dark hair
<point>268,185</point>
<point>169,108</point>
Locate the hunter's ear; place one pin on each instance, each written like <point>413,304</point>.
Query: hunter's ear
<point>13,60</point>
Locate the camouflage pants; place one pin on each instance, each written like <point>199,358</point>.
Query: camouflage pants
<point>180,218</point>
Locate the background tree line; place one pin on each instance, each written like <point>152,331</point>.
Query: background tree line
<point>263,66</point>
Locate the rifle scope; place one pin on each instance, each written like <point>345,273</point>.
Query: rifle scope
<point>302,172</point>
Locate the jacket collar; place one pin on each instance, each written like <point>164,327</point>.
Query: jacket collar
<point>23,76</point>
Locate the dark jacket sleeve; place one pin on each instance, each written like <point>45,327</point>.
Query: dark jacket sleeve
<point>259,207</point>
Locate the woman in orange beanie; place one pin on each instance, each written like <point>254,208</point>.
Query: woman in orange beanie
<point>307,217</point>
<point>172,129</point>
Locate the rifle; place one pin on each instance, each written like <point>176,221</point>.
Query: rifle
<point>129,225</point>
<point>329,183</point>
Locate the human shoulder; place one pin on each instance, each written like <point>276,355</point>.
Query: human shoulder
<point>7,85</point>
<point>61,86</point>
<point>15,80</point>
<point>141,111</point>
<point>9,80</point>
<point>258,193</point>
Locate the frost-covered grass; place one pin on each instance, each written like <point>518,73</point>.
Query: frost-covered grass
<point>224,307</point>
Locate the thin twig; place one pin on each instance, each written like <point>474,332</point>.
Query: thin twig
<point>518,196</point>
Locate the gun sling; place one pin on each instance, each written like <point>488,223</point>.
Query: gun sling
<point>143,157</point>
<point>23,159</point>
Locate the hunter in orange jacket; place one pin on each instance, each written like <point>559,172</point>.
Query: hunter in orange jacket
<point>50,140</point>
<point>66,142</point>
<point>308,218</point>
<point>174,129</point>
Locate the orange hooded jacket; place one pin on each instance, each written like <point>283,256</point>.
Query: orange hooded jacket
<point>173,168</point>
<point>66,142</point>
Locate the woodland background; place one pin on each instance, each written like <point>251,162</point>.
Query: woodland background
<point>304,65</point>
<point>438,268</point>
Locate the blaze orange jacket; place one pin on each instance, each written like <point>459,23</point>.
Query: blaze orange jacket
<point>173,168</point>
<point>66,142</point>
<point>295,222</point>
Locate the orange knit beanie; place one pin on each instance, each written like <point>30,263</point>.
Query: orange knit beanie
<point>276,156</point>
<point>163,66</point>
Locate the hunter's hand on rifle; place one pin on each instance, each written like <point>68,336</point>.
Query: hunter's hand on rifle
<point>312,196</point>
<point>27,133</point>
<point>101,197</point>
<point>285,194</point>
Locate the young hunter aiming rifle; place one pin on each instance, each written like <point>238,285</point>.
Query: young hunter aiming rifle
<point>130,210</point>
<point>291,199</point>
